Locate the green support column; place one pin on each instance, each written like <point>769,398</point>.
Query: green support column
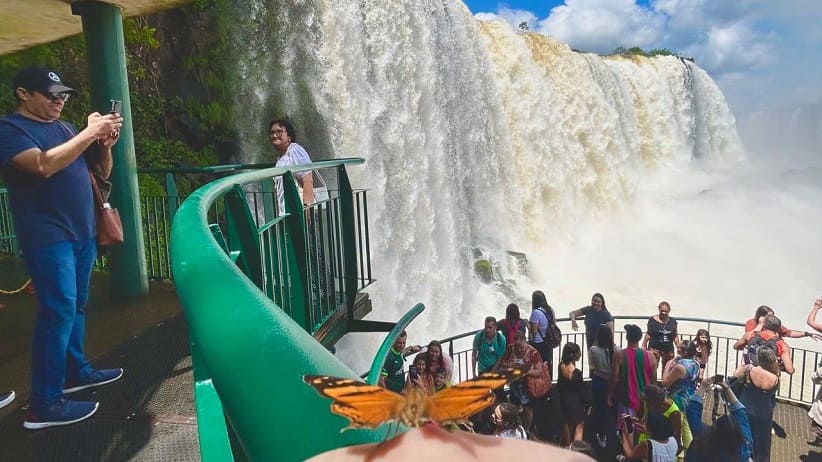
<point>106,55</point>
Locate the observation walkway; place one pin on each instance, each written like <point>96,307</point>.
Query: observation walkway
<point>150,415</point>
<point>288,288</point>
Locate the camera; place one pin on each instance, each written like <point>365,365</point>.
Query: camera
<point>412,371</point>
<point>629,422</point>
<point>116,106</point>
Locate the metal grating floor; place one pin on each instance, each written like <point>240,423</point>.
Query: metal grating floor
<point>146,416</point>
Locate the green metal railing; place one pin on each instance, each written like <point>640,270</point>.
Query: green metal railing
<point>724,360</point>
<point>246,292</point>
<point>8,240</point>
<point>158,211</point>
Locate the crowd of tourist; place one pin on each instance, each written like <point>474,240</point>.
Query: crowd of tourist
<point>644,401</point>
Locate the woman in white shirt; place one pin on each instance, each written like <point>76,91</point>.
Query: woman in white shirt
<point>284,139</point>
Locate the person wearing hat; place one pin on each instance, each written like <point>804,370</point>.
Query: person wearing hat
<point>43,164</point>
<point>631,371</point>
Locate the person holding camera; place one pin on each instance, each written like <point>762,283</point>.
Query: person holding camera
<point>660,446</point>
<point>50,194</point>
<point>729,439</point>
<point>419,377</point>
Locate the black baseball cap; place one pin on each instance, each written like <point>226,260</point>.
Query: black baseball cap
<point>41,80</point>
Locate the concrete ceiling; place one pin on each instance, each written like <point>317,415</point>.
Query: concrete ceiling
<point>26,23</point>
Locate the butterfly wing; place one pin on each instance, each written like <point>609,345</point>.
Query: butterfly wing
<point>363,405</point>
<point>456,403</point>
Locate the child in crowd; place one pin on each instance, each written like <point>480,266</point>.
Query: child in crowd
<point>419,377</point>
<point>440,381</point>
<point>704,347</point>
<point>506,422</point>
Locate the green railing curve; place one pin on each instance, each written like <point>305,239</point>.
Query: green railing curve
<point>249,352</point>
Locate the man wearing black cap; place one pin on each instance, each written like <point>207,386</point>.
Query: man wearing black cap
<point>41,158</point>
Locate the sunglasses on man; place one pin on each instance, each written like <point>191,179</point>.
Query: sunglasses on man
<point>55,96</point>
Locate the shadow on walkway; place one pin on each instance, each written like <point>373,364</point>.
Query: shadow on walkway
<point>147,415</point>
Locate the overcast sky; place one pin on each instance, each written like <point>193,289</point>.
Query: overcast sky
<point>764,54</point>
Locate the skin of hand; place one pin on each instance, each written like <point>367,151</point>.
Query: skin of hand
<point>431,442</point>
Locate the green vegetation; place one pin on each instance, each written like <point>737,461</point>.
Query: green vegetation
<point>640,52</point>
<point>483,270</point>
<point>180,113</point>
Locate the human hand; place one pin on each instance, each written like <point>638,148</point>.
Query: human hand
<point>817,304</point>
<point>109,141</point>
<point>431,442</point>
<point>103,126</point>
<point>574,325</point>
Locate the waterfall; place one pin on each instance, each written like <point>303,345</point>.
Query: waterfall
<point>475,135</point>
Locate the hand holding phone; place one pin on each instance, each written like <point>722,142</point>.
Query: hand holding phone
<point>412,371</point>
<point>116,106</point>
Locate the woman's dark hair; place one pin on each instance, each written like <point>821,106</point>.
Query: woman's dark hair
<point>762,311</point>
<point>538,299</point>
<point>707,334</point>
<point>723,439</point>
<point>570,353</point>
<point>512,312</point>
<point>289,128</point>
<point>440,360</point>
<point>688,348</point>
<point>604,306</point>
<point>659,427</point>
<point>605,340</point>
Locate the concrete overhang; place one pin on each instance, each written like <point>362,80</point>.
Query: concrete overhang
<point>26,23</point>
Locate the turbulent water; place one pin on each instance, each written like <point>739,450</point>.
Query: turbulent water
<point>612,174</point>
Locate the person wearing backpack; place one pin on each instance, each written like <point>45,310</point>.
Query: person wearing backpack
<point>539,326</point>
<point>511,324</point>
<point>767,337</point>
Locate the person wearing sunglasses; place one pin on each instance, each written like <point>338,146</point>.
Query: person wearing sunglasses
<point>50,194</point>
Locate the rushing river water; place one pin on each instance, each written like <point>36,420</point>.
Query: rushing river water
<point>624,176</point>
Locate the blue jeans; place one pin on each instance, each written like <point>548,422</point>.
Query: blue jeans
<point>61,273</point>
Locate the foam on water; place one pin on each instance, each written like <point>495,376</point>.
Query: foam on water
<point>619,175</point>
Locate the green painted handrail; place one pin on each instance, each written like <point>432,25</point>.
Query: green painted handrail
<point>251,355</point>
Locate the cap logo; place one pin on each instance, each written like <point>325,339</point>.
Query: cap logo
<point>54,77</point>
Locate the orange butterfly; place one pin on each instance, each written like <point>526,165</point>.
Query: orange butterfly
<point>370,406</point>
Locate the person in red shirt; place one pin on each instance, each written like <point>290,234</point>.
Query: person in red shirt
<point>770,328</point>
<point>764,310</point>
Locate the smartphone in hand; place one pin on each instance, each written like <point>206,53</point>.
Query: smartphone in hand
<point>412,371</point>
<point>116,106</point>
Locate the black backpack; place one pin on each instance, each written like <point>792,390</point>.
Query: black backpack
<point>757,342</point>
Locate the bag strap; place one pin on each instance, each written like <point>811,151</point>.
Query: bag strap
<point>98,196</point>
<point>23,130</point>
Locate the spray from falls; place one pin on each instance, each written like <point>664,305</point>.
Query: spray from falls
<point>475,135</point>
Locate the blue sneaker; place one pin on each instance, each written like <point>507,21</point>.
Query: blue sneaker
<point>96,378</point>
<point>6,398</point>
<point>65,412</point>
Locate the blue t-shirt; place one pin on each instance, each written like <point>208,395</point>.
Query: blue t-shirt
<point>45,210</point>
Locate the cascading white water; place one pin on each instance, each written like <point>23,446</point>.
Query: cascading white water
<point>477,135</point>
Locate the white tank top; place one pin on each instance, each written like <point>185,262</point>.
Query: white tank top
<point>663,452</point>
